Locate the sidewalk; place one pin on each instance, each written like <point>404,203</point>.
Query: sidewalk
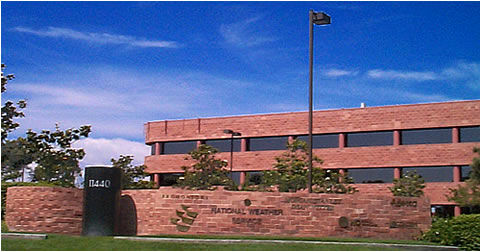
<point>226,241</point>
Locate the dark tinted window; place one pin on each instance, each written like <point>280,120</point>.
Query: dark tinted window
<point>152,149</point>
<point>371,175</point>
<point>322,140</point>
<point>466,172</point>
<point>433,174</point>
<point>223,145</point>
<point>427,136</point>
<point>268,143</point>
<point>254,177</point>
<point>179,147</point>
<point>470,134</point>
<point>236,177</point>
<point>169,179</point>
<point>369,139</point>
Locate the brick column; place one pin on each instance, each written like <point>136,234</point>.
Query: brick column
<point>156,179</point>
<point>396,138</point>
<point>242,178</point>
<point>457,173</point>
<point>290,139</point>
<point>341,172</point>
<point>158,148</point>
<point>341,140</point>
<point>243,147</point>
<point>397,172</point>
<point>455,135</point>
<point>457,211</point>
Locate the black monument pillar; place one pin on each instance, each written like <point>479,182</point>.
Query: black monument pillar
<point>101,200</point>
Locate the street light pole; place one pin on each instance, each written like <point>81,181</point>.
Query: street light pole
<point>318,18</point>
<point>228,131</point>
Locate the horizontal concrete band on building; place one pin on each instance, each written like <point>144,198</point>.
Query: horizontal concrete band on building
<point>373,144</point>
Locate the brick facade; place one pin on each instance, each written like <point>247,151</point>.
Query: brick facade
<point>177,211</point>
<point>451,115</point>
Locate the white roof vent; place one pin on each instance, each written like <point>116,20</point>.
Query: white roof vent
<point>363,105</point>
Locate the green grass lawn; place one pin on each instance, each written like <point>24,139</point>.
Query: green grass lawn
<point>61,242</point>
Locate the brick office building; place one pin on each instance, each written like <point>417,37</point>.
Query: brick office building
<point>373,144</point>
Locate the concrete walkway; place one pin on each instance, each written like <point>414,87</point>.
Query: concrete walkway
<point>227,241</point>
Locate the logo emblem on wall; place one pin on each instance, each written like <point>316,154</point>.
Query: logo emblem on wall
<point>187,217</point>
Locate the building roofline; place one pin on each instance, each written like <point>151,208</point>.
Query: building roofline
<point>325,110</point>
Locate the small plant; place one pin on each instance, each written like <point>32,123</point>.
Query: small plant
<point>410,184</point>
<point>207,172</point>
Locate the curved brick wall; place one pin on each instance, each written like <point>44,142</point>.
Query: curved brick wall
<point>177,211</point>
<point>44,209</point>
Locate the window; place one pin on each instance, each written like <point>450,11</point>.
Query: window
<point>470,134</point>
<point>371,175</point>
<point>466,173</point>
<point>322,140</point>
<point>152,148</point>
<point>433,174</point>
<point>179,147</point>
<point>236,177</point>
<point>169,179</point>
<point>369,139</point>
<point>223,145</point>
<point>254,177</point>
<point>426,136</point>
<point>444,211</point>
<point>268,143</point>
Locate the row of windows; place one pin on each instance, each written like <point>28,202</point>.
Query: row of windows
<point>356,139</point>
<point>359,176</point>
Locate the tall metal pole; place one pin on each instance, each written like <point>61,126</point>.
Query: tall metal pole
<point>310,105</point>
<point>231,157</point>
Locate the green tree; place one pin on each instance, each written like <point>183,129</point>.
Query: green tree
<point>10,110</point>
<point>16,156</point>
<point>133,176</point>
<point>52,152</point>
<point>206,172</point>
<point>290,173</point>
<point>410,184</point>
<point>57,161</point>
<point>468,195</point>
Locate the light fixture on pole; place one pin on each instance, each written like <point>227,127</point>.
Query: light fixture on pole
<point>231,132</point>
<point>318,18</point>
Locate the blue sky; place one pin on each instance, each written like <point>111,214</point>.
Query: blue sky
<point>117,65</point>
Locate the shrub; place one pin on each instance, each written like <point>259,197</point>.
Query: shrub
<point>207,172</point>
<point>463,231</point>
<point>410,184</point>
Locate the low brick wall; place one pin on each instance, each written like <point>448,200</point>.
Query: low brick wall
<point>44,210</point>
<point>176,211</point>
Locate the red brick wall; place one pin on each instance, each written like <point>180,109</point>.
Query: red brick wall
<point>154,212</point>
<point>351,157</point>
<point>435,191</point>
<point>448,114</point>
<point>44,210</point>
<point>278,214</point>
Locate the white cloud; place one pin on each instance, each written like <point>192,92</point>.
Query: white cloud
<point>244,33</point>
<point>339,73</point>
<point>100,151</point>
<point>402,75</point>
<point>99,38</point>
